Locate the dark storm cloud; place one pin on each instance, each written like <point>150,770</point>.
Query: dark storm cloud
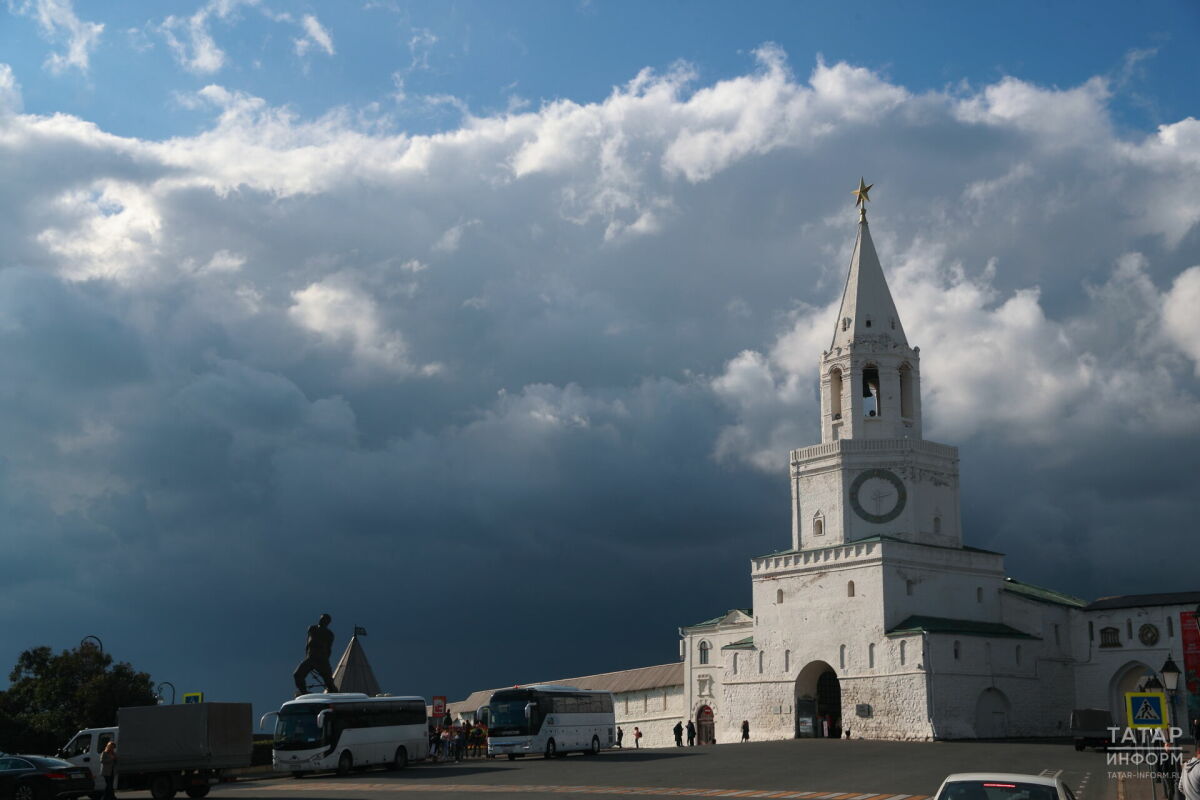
<point>518,397</point>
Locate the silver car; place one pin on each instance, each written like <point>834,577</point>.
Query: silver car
<point>1003,786</point>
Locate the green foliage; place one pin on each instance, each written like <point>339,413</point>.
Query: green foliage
<point>50,696</point>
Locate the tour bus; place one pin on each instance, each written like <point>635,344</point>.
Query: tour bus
<point>553,720</point>
<point>341,731</point>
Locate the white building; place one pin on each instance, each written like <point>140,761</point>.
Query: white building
<point>878,619</point>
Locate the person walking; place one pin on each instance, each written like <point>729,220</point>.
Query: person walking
<point>108,769</point>
<point>1189,778</point>
<point>745,730</point>
<point>620,737</point>
<point>691,732</point>
<point>678,731</point>
<point>637,738</point>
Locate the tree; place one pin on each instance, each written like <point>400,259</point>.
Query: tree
<point>50,696</point>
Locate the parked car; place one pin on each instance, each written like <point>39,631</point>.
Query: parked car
<point>41,778</point>
<point>1002,786</point>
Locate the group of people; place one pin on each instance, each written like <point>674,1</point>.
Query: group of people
<point>679,730</point>
<point>458,740</point>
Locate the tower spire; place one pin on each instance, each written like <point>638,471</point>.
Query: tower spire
<point>867,307</point>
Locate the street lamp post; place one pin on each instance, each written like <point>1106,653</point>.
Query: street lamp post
<point>158,691</point>
<point>87,641</point>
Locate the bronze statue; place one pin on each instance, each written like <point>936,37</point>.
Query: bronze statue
<point>317,650</point>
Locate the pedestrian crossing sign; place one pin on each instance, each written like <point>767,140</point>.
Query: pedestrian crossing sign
<point>1146,709</point>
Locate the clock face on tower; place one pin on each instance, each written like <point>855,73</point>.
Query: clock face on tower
<point>877,495</point>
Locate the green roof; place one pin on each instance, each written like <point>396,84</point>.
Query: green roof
<point>961,627</point>
<point>741,644</point>
<point>718,620</point>
<point>1042,594</point>
<point>881,538</point>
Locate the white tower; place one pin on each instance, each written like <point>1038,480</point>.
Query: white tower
<point>872,474</point>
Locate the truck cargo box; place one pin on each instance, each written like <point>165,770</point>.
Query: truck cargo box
<point>189,736</point>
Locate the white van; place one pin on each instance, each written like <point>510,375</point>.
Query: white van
<point>84,751</point>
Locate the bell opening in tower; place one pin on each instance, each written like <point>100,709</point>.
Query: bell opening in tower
<point>870,384</point>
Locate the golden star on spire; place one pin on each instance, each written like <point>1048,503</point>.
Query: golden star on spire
<point>861,194</point>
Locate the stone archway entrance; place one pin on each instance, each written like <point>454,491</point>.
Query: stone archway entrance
<point>706,729</point>
<point>991,714</point>
<point>818,707</point>
<point>1131,677</point>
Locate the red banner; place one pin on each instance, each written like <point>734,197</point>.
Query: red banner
<point>439,707</point>
<point>1190,633</point>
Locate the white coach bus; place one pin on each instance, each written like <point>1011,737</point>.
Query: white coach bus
<point>342,731</point>
<point>552,720</point>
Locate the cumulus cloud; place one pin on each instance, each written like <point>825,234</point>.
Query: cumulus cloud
<point>58,22</point>
<point>315,35</point>
<point>10,91</point>
<point>577,339</point>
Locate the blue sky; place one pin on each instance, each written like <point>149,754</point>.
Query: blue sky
<point>377,308</point>
<point>488,53</point>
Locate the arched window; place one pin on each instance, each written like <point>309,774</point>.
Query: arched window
<point>787,660</point>
<point>872,406</point>
<point>871,655</point>
<point>819,524</point>
<point>937,525</point>
<point>842,656</point>
<point>909,586</point>
<point>903,653</point>
<point>1128,629</point>
<point>1018,654</point>
<point>906,391</point>
<point>1170,627</point>
<point>704,648</point>
<point>760,662</point>
<point>779,596</point>
<point>835,393</point>
<point>867,321</point>
<point>735,664</point>
<point>978,594</point>
<point>957,651</point>
<point>850,589</point>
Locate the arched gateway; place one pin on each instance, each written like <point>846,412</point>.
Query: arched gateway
<point>818,704</point>
<point>706,729</point>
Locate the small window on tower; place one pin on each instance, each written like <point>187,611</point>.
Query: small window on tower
<point>778,596</point>
<point>937,525</point>
<point>870,392</point>
<point>846,323</point>
<point>818,525</point>
<point>850,589</point>
<point>893,323</point>
<point>867,322</point>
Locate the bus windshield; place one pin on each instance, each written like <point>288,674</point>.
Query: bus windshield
<point>297,729</point>
<point>508,714</point>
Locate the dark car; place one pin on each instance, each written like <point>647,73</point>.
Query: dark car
<point>41,778</point>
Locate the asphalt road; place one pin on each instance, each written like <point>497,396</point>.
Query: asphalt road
<point>824,769</point>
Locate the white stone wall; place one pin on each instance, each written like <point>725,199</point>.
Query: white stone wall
<point>654,711</point>
<point>705,681</point>
<point>1097,668</point>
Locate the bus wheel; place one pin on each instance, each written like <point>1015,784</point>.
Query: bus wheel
<point>197,791</point>
<point>551,749</point>
<point>512,756</point>
<point>345,763</point>
<point>401,759</point>
<point>595,748</point>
